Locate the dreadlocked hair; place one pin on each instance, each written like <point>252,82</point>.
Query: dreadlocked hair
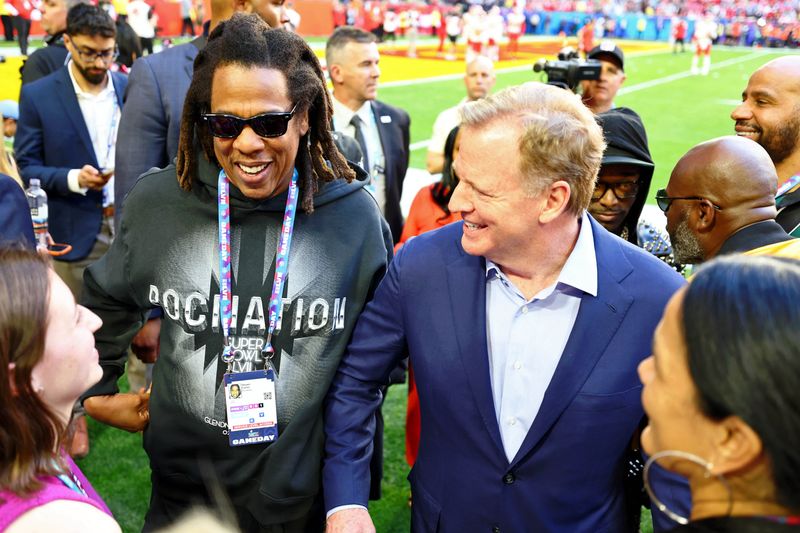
<point>247,41</point>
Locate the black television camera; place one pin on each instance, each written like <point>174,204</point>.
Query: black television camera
<point>569,69</point>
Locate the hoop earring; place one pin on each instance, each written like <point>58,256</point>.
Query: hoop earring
<point>661,506</point>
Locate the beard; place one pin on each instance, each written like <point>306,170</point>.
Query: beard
<point>782,141</point>
<point>685,245</point>
<point>93,75</point>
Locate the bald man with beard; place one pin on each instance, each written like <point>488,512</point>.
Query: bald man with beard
<point>770,115</point>
<point>720,199</point>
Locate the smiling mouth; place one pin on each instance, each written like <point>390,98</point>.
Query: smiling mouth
<point>748,132</point>
<point>471,226</point>
<point>251,170</point>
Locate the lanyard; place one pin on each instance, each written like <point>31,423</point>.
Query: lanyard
<point>281,265</point>
<point>72,482</point>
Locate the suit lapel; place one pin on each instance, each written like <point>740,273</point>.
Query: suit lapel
<point>597,321</point>
<point>70,106</point>
<point>191,53</point>
<point>466,279</point>
<point>385,138</point>
<point>119,90</point>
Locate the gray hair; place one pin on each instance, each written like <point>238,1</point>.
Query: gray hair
<point>561,139</point>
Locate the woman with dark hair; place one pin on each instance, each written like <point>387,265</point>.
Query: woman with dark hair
<point>722,393</point>
<point>262,250</point>
<point>47,360</point>
<point>429,209</point>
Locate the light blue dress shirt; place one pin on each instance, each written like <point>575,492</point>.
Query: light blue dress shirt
<point>527,337</point>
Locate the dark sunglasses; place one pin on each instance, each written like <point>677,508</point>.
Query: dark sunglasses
<point>622,190</point>
<point>665,201</point>
<point>264,125</point>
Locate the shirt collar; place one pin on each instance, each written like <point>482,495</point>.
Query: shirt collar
<point>343,115</point>
<point>109,88</point>
<point>580,269</point>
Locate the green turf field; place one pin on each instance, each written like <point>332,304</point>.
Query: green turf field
<point>678,110</point>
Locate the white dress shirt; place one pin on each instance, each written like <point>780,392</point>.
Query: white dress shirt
<point>342,115</point>
<point>101,115</point>
<point>444,124</point>
<point>526,338</point>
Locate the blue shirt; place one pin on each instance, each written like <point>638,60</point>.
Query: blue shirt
<point>527,337</point>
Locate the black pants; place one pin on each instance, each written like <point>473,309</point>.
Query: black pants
<point>187,26</point>
<point>8,27</point>
<point>147,44</point>
<point>23,27</point>
<point>169,503</point>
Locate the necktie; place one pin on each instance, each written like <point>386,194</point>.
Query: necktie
<point>357,123</point>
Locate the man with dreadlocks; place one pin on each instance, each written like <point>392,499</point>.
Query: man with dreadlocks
<point>255,293</point>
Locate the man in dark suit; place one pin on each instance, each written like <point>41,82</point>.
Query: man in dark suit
<point>525,324</point>
<point>381,130</point>
<point>65,138</point>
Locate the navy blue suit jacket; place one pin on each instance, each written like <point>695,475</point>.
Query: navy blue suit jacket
<point>568,473</point>
<point>151,119</point>
<point>52,139</point>
<point>16,226</point>
<point>393,129</point>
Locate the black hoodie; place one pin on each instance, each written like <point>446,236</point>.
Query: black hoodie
<point>626,141</point>
<point>166,254</point>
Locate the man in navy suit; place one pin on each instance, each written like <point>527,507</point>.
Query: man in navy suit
<point>381,130</point>
<point>65,137</point>
<point>525,324</point>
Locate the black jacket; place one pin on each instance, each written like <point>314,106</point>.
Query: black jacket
<point>754,236</point>
<point>45,60</point>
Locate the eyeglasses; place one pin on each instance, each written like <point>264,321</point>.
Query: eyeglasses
<point>622,189</point>
<point>90,56</point>
<point>264,125</point>
<point>664,201</point>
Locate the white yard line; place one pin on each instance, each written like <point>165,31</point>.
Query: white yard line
<point>625,90</point>
<point>681,75</point>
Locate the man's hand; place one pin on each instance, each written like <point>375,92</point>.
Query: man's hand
<point>91,178</point>
<point>350,521</point>
<point>128,411</point>
<point>145,344</point>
